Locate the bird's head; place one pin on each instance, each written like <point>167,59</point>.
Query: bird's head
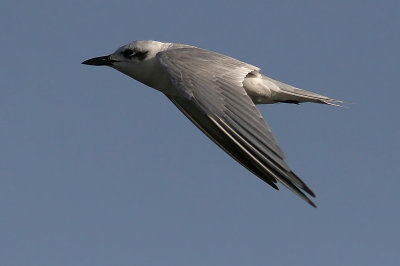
<point>132,53</point>
<point>135,59</point>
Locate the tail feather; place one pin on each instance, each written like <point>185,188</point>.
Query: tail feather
<point>296,95</point>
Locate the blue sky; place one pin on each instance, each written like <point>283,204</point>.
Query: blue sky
<point>98,169</point>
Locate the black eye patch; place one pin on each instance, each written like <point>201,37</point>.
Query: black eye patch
<point>128,52</point>
<point>133,53</point>
<point>140,55</point>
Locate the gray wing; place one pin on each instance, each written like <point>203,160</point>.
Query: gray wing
<point>214,99</point>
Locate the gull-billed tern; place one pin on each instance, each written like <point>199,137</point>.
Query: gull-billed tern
<point>218,94</point>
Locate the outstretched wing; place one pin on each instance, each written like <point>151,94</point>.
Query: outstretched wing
<point>214,99</point>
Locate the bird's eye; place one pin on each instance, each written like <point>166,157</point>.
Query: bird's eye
<point>128,52</point>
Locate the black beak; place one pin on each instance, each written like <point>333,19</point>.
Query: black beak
<point>100,61</point>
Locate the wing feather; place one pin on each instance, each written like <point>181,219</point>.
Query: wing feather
<point>214,99</point>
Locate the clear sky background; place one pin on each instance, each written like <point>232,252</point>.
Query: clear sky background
<point>98,169</point>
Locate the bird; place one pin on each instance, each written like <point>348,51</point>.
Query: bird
<point>219,95</point>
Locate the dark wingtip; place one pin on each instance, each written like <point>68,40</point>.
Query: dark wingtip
<point>312,203</point>
<point>309,191</point>
<point>303,185</point>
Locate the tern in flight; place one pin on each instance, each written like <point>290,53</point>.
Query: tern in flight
<point>218,94</point>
